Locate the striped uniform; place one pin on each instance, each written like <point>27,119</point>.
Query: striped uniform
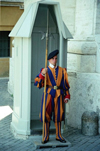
<point>54,98</point>
<point>54,102</point>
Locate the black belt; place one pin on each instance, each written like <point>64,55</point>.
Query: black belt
<point>54,87</point>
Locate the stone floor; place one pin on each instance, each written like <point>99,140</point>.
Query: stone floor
<point>8,142</point>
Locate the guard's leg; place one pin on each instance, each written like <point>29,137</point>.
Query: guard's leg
<point>46,132</point>
<point>58,133</point>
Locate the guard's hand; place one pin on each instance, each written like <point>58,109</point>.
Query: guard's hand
<point>66,100</point>
<point>44,71</point>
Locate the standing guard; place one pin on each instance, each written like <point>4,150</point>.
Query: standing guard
<point>57,93</point>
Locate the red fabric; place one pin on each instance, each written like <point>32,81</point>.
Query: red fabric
<point>41,76</point>
<point>67,96</point>
<point>49,107</point>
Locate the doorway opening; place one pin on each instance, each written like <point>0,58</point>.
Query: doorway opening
<point>38,58</point>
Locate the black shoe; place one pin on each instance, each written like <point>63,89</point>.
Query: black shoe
<point>61,140</point>
<point>44,142</point>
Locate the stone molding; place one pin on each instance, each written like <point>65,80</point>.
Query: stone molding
<point>14,4</point>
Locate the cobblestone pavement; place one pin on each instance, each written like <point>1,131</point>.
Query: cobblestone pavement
<point>9,143</point>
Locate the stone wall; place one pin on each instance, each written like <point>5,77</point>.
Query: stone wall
<point>85,19</point>
<point>83,63</point>
<point>84,96</point>
<point>81,56</point>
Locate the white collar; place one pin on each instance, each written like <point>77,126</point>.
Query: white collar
<point>51,65</point>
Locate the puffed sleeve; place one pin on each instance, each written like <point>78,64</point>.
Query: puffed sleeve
<point>39,80</point>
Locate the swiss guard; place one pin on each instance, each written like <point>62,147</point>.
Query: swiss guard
<point>57,93</point>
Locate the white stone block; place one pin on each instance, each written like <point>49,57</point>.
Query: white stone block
<point>87,63</point>
<point>84,15</point>
<point>66,3</point>
<point>69,16</point>
<point>85,95</point>
<point>84,4</point>
<point>85,12</point>
<point>82,47</point>
<point>72,62</point>
<point>83,31</point>
<point>81,63</point>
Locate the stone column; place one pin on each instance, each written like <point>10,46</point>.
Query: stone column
<point>83,69</point>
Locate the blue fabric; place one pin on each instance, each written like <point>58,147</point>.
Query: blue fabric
<point>53,92</point>
<point>51,77</point>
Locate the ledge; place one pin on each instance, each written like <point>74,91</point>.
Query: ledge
<point>12,3</point>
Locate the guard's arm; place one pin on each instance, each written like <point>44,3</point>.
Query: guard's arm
<point>39,80</point>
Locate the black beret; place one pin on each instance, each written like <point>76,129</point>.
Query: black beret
<point>52,54</point>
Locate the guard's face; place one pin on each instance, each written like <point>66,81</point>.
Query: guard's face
<point>53,60</point>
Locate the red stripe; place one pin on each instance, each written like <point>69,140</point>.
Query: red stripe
<point>49,107</point>
<point>41,76</point>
